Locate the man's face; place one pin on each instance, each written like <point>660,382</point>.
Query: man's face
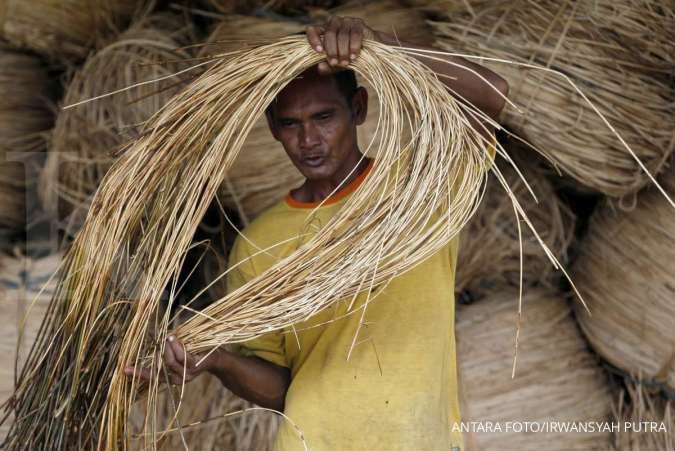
<point>315,124</point>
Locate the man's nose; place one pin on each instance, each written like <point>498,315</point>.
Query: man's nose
<point>309,135</point>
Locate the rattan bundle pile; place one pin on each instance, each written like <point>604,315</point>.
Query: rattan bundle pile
<point>25,116</point>
<point>556,377</point>
<point>65,29</point>
<point>626,274</point>
<point>25,292</point>
<point>86,137</point>
<point>247,188</point>
<point>490,246</point>
<point>555,117</point>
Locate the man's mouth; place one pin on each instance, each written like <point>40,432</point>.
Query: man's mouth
<point>313,161</point>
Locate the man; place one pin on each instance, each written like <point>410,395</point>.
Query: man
<point>398,389</point>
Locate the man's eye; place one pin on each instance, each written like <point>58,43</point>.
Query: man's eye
<point>286,123</point>
<point>325,116</point>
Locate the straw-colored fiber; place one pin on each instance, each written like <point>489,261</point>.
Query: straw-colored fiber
<point>418,196</point>
<point>211,418</point>
<point>25,292</point>
<point>651,419</point>
<point>249,190</point>
<point>65,30</point>
<point>25,116</point>
<point>646,28</point>
<point>84,140</point>
<point>490,246</point>
<point>556,379</point>
<point>626,273</point>
<point>553,116</point>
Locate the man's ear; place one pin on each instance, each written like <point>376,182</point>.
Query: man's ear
<point>360,105</point>
<point>271,123</point>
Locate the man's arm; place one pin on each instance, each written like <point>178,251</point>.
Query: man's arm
<point>251,378</point>
<point>341,39</point>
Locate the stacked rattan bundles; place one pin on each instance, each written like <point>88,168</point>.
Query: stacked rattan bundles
<point>556,378</point>
<point>22,281</point>
<point>85,137</point>
<point>65,29</point>
<point>490,246</point>
<point>556,118</point>
<point>626,273</point>
<point>209,417</point>
<point>25,115</point>
<point>250,187</point>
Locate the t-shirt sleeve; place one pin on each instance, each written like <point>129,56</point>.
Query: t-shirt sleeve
<point>271,346</point>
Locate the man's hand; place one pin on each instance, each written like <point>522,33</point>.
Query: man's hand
<point>251,378</point>
<point>177,362</point>
<point>340,39</point>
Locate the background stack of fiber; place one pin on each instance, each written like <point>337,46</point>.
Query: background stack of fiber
<point>86,138</point>
<point>595,207</point>
<point>26,114</point>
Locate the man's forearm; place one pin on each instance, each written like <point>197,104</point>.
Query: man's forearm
<point>252,378</point>
<point>465,79</point>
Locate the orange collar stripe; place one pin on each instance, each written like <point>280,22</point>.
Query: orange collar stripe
<point>341,194</point>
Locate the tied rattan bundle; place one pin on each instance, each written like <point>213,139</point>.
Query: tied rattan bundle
<point>555,117</point>
<point>625,270</point>
<point>26,287</point>
<point>556,377</point>
<point>492,244</point>
<point>65,29</point>
<point>25,116</point>
<point>146,210</point>
<point>645,27</point>
<point>210,417</point>
<point>250,190</point>
<point>85,139</point>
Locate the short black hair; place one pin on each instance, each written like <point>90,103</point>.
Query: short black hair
<point>346,84</point>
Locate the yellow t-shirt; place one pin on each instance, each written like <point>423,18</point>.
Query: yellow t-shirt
<point>398,390</point>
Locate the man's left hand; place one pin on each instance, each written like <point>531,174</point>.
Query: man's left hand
<point>340,39</point>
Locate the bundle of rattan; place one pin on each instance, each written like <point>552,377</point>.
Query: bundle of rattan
<point>209,417</point>
<point>85,138</point>
<point>646,420</point>
<point>555,117</point>
<point>250,190</point>
<point>556,378</point>
<point>25,292</point>
<point>625,272</point>
<point>66,29</point>
<point>490,247</point>
<point>645,27</point>
<point>25,115</point>
<point>417,197</point>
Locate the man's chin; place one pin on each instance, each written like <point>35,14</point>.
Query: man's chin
<point>315,173</point>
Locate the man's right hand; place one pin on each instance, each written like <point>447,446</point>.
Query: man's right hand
<point>181,366</point>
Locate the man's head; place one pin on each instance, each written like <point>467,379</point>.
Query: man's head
<point>315,118</point>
